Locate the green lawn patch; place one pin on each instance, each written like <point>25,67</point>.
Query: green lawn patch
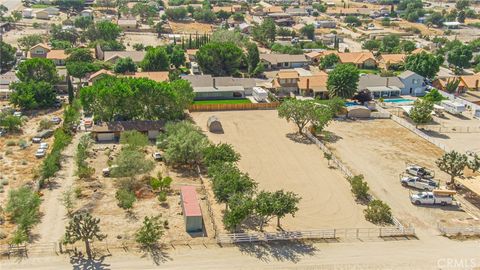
<point>369,71</point>
<point>222,101</point>
<point>40,6</point>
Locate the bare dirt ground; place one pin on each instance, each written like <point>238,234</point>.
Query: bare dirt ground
<point>274,156</point>
<point>191,27</point>
<point>380,149</point>
<point>11,37</point>
<point>98,196</point>
<point>147,39</point>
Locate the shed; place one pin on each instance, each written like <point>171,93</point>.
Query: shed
<point>191,209</point>
<point>358,112</point>
<point>111,131</point>
<point>214,125</point>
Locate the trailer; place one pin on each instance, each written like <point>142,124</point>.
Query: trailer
<point>259,94</point>
<point>453,107</point>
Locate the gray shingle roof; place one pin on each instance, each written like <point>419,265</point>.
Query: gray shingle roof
<point>372,80</point>
<point>274,58</point>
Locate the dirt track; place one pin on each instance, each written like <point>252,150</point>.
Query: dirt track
<point>277,159</point>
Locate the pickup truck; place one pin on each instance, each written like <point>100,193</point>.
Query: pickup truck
<point>435,197</point>
<point>419,171</point>
<point>418,183</point>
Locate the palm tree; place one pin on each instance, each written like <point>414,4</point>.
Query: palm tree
<point>452,86</point>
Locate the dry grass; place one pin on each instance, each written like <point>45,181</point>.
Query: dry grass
<point>191,27</point>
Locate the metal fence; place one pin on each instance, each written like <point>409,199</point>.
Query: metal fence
<point>450,129</point>
<point>209,206</point>
<point>344,233</point>
<point>468,231</point>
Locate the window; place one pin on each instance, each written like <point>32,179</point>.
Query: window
<point>282,81</point>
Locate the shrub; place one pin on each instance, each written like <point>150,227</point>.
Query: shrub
<point>11,143</point>
<point>125,198</point>
<point>78,192</point>
<point>8,152</point>
<point>155,183</point>
<point>22,143</point>
<point>4,182</point>
<point>378,212</point>
<point>44,124</point>
<point>162,196</point>
<point>359,187</point>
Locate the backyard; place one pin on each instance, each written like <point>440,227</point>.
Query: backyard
<point>222,101</point>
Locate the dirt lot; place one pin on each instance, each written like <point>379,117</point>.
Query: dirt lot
<point>380,149</point>
<point>193,27</point>
<point>276,158</point>
<point>98,196</point>
<point>147,39</point>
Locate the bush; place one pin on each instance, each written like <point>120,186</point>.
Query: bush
<point>125,198</point>
<point>162,196</point>
<point>45,124</point>
<point>378,212</point>
<point>22,143</point>
<point>11,143</point>
<point>359,187</point>
<point>4,182</point>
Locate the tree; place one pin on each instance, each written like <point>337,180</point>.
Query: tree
<point>8,58</point>
<point>240,207</point>
<point>372,44</point>
<point>3,11</point>
<point>130,163</point>
<point>425,64</point>
<point>460,57</point>
<point>16,16</point>
<point>80,69</point>
<point>80,55</point>
<point>176,14</point>
<point>125,198</point>
<point>308,31</point>
<point>390,43</point>
<point>133,140</point>
<point>359,187</point>
<point>461,16</point>
<point>474,163</point>
<point>176,56</point>
<point>70,91</point>
<point>342,81</point>
<point>253,57</point>
<point>150,233</point>
<point>407,46</point>
<point>436,18</point>
<point>11,123</point>
<point>57,32</point>
<point>353,20</point>
<point>223,15</point>
<point>70,4</point>
<point>433,96</point>
<point>37,70</point>
<point>156,59</point>
<point>103,30</point>
<point>378,212</point>
<point>363,96</point>
<point>304,112</point>
<point>23,207</point>
<point>29,41</point>
<point>329,61</point>
<point>83,22</point>
<point>33,95</point>
<point>452,163</point>
<point>265,32</point>
<point>452,86</point>
<point>125,65</point>
<point>221,152</point>
<point>462,4</point>
<point>421,112</point>
<point>285,203</point>
<point>68,200</point>
<point>144,11</point>
<point>83,227</point>
<point>220,59</point>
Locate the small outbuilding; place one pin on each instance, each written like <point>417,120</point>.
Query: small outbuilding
<point>111,131</point>
<point>191,209</point>
<point>358,112</point>
<point>214,125</point>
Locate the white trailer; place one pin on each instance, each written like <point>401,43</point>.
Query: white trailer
<point>259,94</point>
<point>453,107</point>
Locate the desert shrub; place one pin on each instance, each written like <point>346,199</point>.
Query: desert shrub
<point>45,124</point>
<point>22,143</point>
<point>378,212</point>
<point>125,198</point>
<point>4,182</point>
<point>78,192</point>
<point>162,196</point>
<point>11,143</point>
<point>3,235</point>
<point>8,152</point>
<point>359,187</point>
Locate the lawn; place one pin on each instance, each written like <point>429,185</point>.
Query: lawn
<point>369,71</point>
<point>222,101</point>
<point>40,6</point>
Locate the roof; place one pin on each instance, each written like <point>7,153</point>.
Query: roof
<point>158,76</point>
<point>273,9</point>
<point>286,74</point>
<point>373,80</point>
<point>43,45</point>
<point>275,58</point>
<point>313,54</point>
<point>224,8</point>
<point>317,82</point>
<point>127,22</point>
<point>207,81</point>
<point>191,207</point>
<point>355,57</point>
<point>407,73</point>
<point>471,81</point>
<point>419,50</point>
<point>57,54</point>
<point>100,72</point>
<point>118,126</point>
<point>393,58</point>
<point>137,56</point>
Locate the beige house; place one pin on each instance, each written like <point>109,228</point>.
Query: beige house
<point>127,24</point>
<point>386,61</point>
<point>42,15</point>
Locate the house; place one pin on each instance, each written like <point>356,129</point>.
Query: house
<point>42,15</point>
<point>38,51</point>
<point>5,81</point>
<point>414,84</point>
<point>296,11</point>
<point>113,56</point>
<point>470,82</point>
<point>279,61</point>
<point>27,13</point>
<point>326,24</point>
<point>381,87</point>
<point>452,25</point>
<point>127,24</point>
<point>359,59</point>
<point>52,11</point>
<point>286,82</point>
<point>329,39</point>
<point>57,56</point>
<point>208,87</point>
<point>42,50</point>
<point>387,61</point>
<point>99,75</point>
<point>314,85</point>
<point>442,83</point>
<point>158,76</point>
<point>314,56</point>
<point>111,131</point>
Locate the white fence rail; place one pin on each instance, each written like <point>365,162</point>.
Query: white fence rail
<point>469,231</point>
<point>348,233</point>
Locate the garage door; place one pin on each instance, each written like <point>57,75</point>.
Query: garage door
<point>104,137</point>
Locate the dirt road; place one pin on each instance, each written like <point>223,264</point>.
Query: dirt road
<point>277,158</point>
<point>54,219</point>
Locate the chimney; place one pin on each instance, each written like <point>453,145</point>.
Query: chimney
<point>476,85</point>
<point>214,83</point>
<point>308,84</point>
<point>388,80</point>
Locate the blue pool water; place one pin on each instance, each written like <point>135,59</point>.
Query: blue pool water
<point>398,100</point>
<point>348,104</point>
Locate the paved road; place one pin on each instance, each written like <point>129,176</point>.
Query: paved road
<point>11,4</point>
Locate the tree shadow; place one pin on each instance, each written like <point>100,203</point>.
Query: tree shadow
<point>298,138</point>
<point>156,253</point>
<point>78,262</point>
<point>282,251</point>
<point>435,134</point>
<point>328,136</point>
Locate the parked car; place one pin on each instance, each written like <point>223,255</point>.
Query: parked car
<point>56,120</point>
<point>88,123</point>
<point>2,132</point>
<point>41,153</point>
<point>43,145</point>
<point>106,172</point>
<point>36,139</point>
<point>157,156</point>
<point>42,135</point>
<point>419,171</point>
<point>435,197</point>
<point>17,114</point>
<point>418,183</point>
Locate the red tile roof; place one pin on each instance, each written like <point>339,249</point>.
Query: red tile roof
<point>191,207</point>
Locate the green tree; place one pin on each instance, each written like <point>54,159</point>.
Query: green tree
<point>424,64</point>
<point>156,59</point>
<point>11,123</point>
<point>23,206</point>
<point>29,41</point>
<point>8,58</point>
<point>221,152</point>
<point>131,163</point>
<point>460,57</point>
<point>70,91</point>
<point>304,112</point>
<point>125,198</point>
<point>359,187</point>
<point>265,33</point>
<point>150,233</point>
<point>103,30</point>
<point>328,61</point>
<point>80,55</point>
<point>285,203</point>
<point>125,65</point>
<point>407,46</point>
<point>433,96</point>
<point>308,31</point>
<point>68,200</point>
<point>83,22</point>
<point>353,20</point>
<point>144,11</point>
<point>133,140</point>
<point>461,16</point>
<point>390,43</point>
<point>343,81</point>
<point>220,59</point>
<point>253,57</point>
<point>37,70</point>
<point>372,44</point>
<point>452,163</point>
<point>33,95</point>
<point>378,212</point>
<point>452,86</point>
<point>176,56</point>
<point>421,112</point>
<point>240,207</point>
<point>436,18</point>
<point>176,14</point>
<point>462,4</point>
<point>474,163</point>
<point>83,227</point>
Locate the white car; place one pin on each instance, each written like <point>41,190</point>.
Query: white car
<point>17,114</point>
<point>36,139</point>
<point>41,153</point>
<point>157,156</point>
<point>56,120</point>
<point>43,145</point>
<point>418,183</point>
<point>419,171</point>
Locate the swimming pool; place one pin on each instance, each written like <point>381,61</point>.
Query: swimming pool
<point>398,100</point>
<point>348,104</point>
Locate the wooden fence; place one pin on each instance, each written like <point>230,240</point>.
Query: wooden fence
<point>233,107</point>
<point>348,233</point>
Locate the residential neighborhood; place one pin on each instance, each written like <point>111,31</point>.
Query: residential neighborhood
<point>220,134</point>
